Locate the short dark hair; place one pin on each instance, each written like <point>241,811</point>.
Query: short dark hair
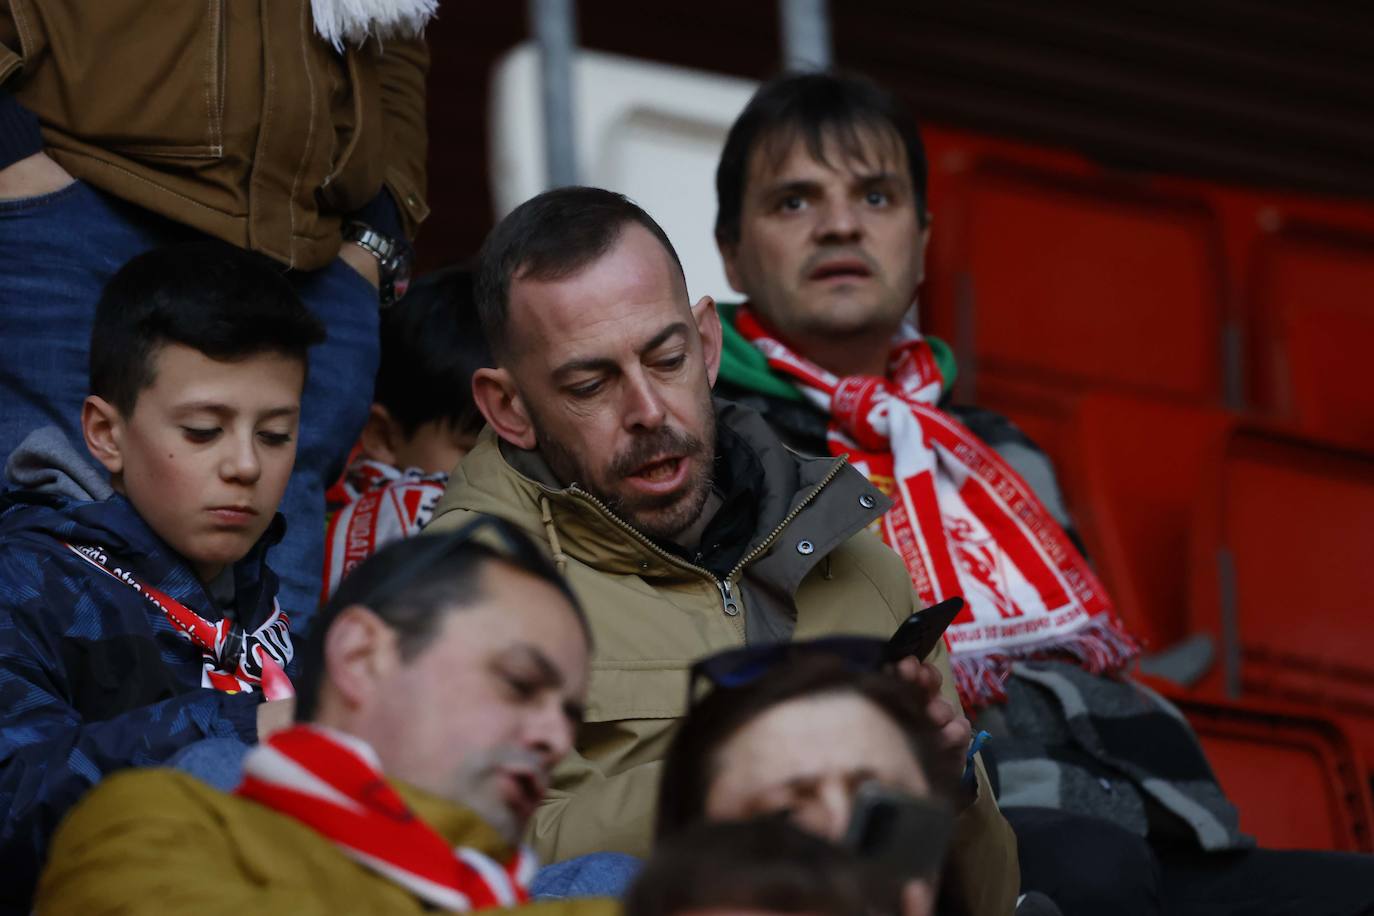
<point>549,237</point>
<point>412,583</point>
<point>689,767</point>
<point>225,302</point>
<point>432,344</point>
<point>765,864</point>
<point>816,107</point>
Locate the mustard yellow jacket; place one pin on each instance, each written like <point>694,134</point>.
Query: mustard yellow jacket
<point>812,562</point>
<point>160,842</point>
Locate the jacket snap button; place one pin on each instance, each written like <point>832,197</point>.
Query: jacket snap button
<point>867,501</point>
<point>805,548</point>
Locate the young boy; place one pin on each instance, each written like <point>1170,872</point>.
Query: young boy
<point>123,599</point>
<point>423,421</point>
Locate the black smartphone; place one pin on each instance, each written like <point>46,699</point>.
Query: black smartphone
<point>919,633</point>
<point>903,836</point>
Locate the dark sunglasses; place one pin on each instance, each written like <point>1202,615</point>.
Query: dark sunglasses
<point>735,668</point>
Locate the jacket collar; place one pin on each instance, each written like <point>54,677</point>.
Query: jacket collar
<point>114,525</point>
<point>820,501</point>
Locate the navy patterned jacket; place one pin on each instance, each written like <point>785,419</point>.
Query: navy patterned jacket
<point>93,678</point>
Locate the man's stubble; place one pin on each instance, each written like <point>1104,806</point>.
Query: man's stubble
<point>664,517</point>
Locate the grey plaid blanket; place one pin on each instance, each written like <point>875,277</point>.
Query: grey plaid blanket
<point>1106,748</point>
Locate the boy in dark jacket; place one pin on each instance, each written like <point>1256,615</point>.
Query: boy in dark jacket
<point>123,600</point>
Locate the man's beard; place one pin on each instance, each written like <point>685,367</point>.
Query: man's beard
<point>664,516</point>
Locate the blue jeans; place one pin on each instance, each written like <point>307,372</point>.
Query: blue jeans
<point>57,251</point>
<point>216,761</point>
<point>599,874</point>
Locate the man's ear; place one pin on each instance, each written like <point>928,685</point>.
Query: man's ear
<point>359,652</point>
<point>382,435</point>
<point>728,252</point>
<point>102,426</point>
<point>708,326</point>
<point>494,392</point>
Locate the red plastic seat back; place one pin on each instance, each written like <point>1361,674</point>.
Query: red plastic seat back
<point>1086,282</point>
<point>1296,779</point>
<point>1312,293</point>
<point>1284,571</point>
<point>1139,465</point>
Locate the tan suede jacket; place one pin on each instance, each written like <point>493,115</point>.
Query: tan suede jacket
<point>652,615</point>
<point>153,842</point>
<point>230,116</point>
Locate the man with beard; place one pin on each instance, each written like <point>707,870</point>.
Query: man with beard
<point>822,225</point>
<point>444,681</point>
<point>684,526</point>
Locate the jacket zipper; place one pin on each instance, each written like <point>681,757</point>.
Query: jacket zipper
<point>724,586</point>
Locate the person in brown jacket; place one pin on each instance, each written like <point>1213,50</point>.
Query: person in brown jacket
<point>444,682</point>
<point>126,125</point>
<point>684,526</point>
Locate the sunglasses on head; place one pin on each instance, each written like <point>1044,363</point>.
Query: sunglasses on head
<point>735,668</point>
<point>488,534</point>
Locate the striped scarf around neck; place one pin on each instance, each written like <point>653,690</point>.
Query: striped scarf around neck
<point>332,783</point>
<point>963,521</point>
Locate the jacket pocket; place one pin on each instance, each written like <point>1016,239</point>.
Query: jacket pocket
<point>637,690</point>
<point>144,79</point>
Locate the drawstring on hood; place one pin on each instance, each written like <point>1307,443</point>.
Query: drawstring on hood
<point>47,462</point>
<point>560,559</point>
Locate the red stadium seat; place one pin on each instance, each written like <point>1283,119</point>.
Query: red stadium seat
<point>1296,779</point>
<point>1311,295</point>
<point>1076,279</point>
<point>1138,466</point>
<point>1042,412</point>
<point>1283,573</point>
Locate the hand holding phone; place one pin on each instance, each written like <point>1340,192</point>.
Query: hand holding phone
<point>906,651</point>
<point>920,632</point>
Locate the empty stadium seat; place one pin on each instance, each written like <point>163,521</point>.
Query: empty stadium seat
<point>651,131</point>
<point>1137,469</point>
<point>1283,571</point>
<point>1311,295</point>
<point>1296,779</point>
<point>1079,280</point>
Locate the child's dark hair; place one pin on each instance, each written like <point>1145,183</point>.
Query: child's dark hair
<point>223,301</point>
<point>432,343</point>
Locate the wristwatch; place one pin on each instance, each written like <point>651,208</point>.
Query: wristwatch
<point>393,260</point>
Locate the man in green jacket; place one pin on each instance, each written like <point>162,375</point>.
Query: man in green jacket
<point>684,526</point>
<point>444,682</point>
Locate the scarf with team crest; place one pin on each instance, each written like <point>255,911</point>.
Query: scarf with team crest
<point>965,523</point>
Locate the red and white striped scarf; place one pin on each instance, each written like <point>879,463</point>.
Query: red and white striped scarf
<point>332,783</point>
<point>965,523</point>
<point>377,504</point>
